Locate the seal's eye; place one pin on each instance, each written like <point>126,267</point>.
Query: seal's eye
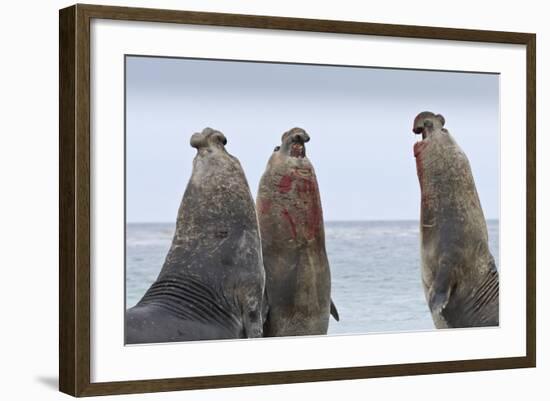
<point>277,148</point>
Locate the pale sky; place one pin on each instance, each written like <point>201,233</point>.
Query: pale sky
<point>359,120</point>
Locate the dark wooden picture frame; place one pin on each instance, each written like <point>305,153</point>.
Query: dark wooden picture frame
<point>74,199</point>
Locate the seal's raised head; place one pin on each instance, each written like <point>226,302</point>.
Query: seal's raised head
<point>212,158</point>
<point>434,136</point>
<point>209,139</point>
<point>293,143</point>
<point>427,122</point>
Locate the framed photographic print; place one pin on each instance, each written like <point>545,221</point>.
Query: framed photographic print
<point>251,200</point>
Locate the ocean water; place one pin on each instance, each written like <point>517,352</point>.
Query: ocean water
<point>375,268</point>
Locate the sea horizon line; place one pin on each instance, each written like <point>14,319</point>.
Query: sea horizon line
<point>491,219</point>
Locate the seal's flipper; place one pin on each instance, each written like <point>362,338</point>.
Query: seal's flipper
<point>334,311</point>
<point>439,300</point>
<point>252,317</point>
<point>253,325</point>
<point>440,290</point>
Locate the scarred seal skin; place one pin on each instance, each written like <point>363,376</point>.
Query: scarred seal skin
<point>212,282</point>
<point>459,275</point>
<point>293,242</point>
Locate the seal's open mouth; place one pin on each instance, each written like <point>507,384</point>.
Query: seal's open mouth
<point>421,144</point>
<point>418,131</point>
<point>297,149</point>
<point>293,142</point>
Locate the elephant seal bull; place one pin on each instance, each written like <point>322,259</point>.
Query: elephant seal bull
<point>459,275</point>
<point>293,242</point>
<point>212,282</point>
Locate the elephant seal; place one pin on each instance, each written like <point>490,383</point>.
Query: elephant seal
<point>459,275</point>
<point>293,242</point>
<point>212,282</point>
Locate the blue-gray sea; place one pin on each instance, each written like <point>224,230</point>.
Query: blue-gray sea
<point>374,265</point>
